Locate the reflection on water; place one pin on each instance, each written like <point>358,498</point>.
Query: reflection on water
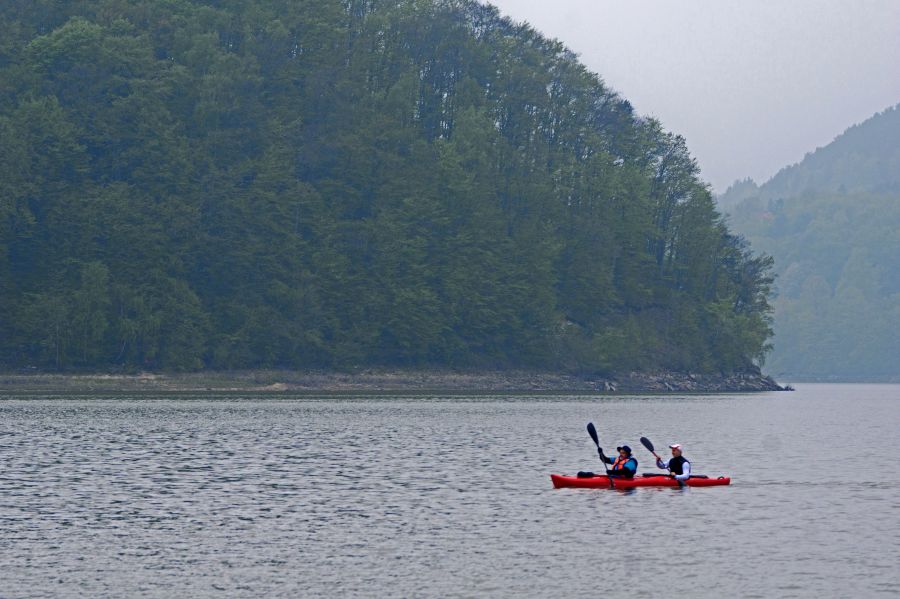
<point>445,496</point>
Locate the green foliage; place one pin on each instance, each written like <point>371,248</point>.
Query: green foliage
<point>189,184</point>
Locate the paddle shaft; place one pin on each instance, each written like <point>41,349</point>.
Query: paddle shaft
<point>593,433</point>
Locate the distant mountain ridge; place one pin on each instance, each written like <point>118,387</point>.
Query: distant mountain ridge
<point>864,158</point>
<point>832,223</point>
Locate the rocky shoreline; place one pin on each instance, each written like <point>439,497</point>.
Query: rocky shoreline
<point>375,381</point>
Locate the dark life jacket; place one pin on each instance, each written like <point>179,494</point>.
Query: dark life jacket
<point>676,465</point>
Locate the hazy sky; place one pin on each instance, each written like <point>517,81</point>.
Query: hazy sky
<point>752,84</point>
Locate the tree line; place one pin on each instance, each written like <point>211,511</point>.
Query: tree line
<point>242,184</point>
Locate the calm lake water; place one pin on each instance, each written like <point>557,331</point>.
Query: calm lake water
<point>255,496</point>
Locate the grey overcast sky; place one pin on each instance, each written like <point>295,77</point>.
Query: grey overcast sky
<point>752,84</point>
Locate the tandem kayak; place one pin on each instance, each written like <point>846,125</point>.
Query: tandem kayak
<point>603,482</point>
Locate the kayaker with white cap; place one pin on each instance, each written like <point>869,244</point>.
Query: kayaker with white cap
<point>624,465</point>
<point>678,465</point>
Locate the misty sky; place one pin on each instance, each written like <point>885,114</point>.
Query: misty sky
<point>752,84</point>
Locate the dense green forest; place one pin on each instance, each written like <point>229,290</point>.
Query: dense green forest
<point>832,223</point>
<point>329,184</point>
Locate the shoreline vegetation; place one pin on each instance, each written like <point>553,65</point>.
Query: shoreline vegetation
<point>222,186</point>
<point>377,381</point>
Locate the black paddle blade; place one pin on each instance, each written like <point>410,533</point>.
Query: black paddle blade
<point>593,433</point>
<point>646,443</point>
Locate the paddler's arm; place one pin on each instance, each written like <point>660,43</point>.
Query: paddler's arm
<point>685,472</point>
<point>661,464</point>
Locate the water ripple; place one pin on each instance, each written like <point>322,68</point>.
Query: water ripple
<point>444,496</point>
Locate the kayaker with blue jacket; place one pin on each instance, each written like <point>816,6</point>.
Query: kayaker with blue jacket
<point>678,465</point>
<point>624,465</point>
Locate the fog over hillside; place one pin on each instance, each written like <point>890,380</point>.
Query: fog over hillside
<point>832,223</point>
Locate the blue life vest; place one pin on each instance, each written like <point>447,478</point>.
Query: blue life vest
<point>621,463</point>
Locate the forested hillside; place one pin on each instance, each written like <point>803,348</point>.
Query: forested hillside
<point>268,183</point>
<point>836,243</point>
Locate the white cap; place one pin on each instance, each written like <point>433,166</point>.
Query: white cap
<point>675,446</point>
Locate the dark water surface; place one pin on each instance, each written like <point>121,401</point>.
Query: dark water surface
<point>228,496</point>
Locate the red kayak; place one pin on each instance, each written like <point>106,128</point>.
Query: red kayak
<point>602,482</point>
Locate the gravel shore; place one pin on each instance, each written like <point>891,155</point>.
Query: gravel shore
<point>409,381</point>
